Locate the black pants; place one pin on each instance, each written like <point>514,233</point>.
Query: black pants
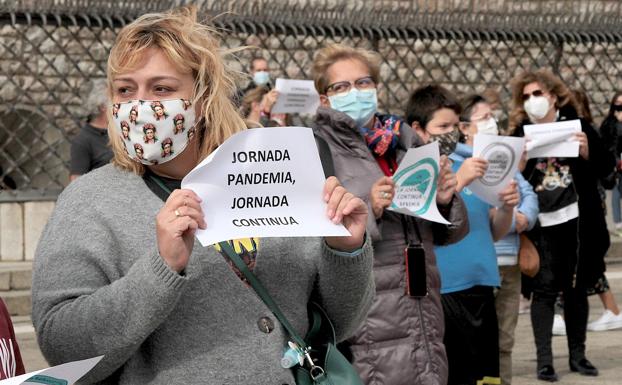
<point>558,248</point>
<point>471,336</point>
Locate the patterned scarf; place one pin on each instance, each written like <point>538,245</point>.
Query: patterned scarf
<point>384,135</point>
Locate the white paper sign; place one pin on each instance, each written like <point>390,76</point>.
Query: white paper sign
<point>296,96</point>
<point>65,374</point>
<point>552,139</point>
<point>265,182</point>
<point>416,181</point>
<point>503,154</point>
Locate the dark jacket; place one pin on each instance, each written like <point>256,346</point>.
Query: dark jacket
<point>593,235</point>
<point>401,342</point>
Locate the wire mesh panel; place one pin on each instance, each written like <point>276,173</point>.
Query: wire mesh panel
<point>51,50</point>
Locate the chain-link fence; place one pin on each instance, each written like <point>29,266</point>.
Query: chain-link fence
<point>50,50</point>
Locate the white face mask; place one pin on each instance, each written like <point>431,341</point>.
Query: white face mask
<point>154,131</point>
<point>488,127</point>
<point>537,107</point>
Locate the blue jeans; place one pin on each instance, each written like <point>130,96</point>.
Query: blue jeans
<point>615,202</point>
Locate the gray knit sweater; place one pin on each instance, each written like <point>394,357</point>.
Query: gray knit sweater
<point>100,287</point>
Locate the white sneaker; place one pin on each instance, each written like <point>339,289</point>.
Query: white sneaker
<point>607,321</point>
<point>559,326</point>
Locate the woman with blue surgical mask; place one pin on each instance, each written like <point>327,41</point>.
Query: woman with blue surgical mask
<point>401,341</point>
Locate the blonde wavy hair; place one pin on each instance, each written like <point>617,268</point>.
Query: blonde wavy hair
<point>549,82</point>
<point>333,53</point>
<point>191,46</point>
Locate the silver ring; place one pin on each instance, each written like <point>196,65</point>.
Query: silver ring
<point>385,195</point>
<point>177,213</point>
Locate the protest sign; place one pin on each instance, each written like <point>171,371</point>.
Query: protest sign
<point>503,155</point>
<point>265,182</point>
<point>552,139</point>
<point>65,374</point>
<point>416,181</point>
<point>295,96</point>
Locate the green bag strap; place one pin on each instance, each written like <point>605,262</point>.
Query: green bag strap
<point>252,279</point>
<point>262,292</point>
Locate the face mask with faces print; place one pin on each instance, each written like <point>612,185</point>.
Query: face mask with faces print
<point>154,131</point>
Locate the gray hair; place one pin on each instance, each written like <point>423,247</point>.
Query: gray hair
<point>97,97</point>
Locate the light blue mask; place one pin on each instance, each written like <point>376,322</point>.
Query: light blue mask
<point>261,78</point>
<point>359,105</point>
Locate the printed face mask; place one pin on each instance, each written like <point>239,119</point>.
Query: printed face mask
<point>488,127</point>
<point>359,105</point>
<point>446,142</point>
<point>536,107</point>
<point>261,78</point>
<point>154,131</point>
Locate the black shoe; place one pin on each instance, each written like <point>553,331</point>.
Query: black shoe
<point>583,366</point>
<point>547,373</point>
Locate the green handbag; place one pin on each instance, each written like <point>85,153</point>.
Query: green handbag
<point>323,364</point>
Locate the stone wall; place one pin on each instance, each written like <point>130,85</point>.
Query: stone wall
<point>21,225</point>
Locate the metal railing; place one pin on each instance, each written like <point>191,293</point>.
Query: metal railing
<point>51,49</point>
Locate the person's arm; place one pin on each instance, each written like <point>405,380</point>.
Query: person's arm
<point>599,161</point>
<point>502,217</point>
<point>528,205</point>
<point>80,158</point>
<point>455,213</point>
<point>83,306</point>
<point>346,287</point>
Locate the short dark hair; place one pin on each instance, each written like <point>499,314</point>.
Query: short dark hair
<point>426,100</point>
<point>257,58</point>
<point>468,104</point>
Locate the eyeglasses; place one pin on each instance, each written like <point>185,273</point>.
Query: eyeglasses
<point>534,93</point>
<point>617,107</point>
<point>365,83</point>
<point>482,118</point>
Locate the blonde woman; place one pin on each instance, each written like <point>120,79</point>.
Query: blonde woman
<point>118,272</point>
<point>571,233</point>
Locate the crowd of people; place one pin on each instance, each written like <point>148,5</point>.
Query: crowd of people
<point>121,276</point>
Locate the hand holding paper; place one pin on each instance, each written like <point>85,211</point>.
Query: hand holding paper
<point>447,182</point>
<point>416,183</point>
<point>553,139</point>
<point>502,154</point>
<point>176,224</point>
<point>381,195</point>
<point>471,169</point>
<point>343,207</point>
<point>262,183</point>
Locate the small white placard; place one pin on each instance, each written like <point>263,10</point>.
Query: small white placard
<point>553,139</point>
<point>416,181</point>
<point>296,96</point>
<point>503,154</point>
<point>265,182</point>
<point>65,374</point>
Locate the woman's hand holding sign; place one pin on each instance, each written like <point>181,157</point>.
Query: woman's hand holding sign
<point>447,182</point>
<point>381,195</point>
<point>471,169</point>
<point>345,208</point>
<point>176,224</point>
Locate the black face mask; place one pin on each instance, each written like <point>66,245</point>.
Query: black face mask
<point>446,142</point>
